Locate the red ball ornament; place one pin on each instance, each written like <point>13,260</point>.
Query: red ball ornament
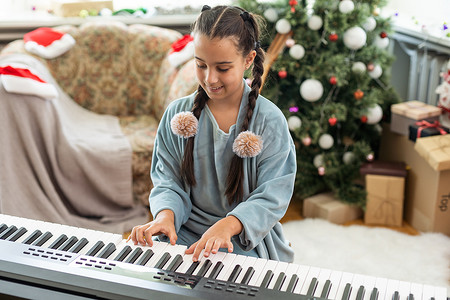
<point>332,121</point>
<point>293,3</point>
<point>363,119</point>
<point>321,171</point>
<point>333,80</point>
<point>358,94</point>
<point>306,141</point>
<point>282,74</point>
<point>370,67</point>
<point>383,35</point>
<point>333,37</point>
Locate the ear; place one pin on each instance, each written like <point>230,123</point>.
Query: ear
<point>249,59</point>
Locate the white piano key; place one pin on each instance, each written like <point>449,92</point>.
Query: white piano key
<point>291,270</point>
<point>324,275</point>
<point>381,285</point>
<point>428,292</point>
<point>258,266</point>
<point>227,264</point>
<point>369,284</point>
<point>201,259</point>
<point>249,262</point>
<point>416,290</point>
<point>238,260</point>
<point>440,293</point>
<point>270,265</point>
<point>312,273</point>
<point>391,288</point>
<point>280,268</point>
<point>302,273</point>
<point>158,249</point>
<point>215,258</point>
<point>335,278</point>
<point>174,250</point>
<point>357,282</point>
<point>346,278</point>
<point>404,289</point>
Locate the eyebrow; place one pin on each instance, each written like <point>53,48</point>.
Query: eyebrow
<point>219,63</point>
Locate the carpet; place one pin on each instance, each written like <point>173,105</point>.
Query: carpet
<point>378,252</point>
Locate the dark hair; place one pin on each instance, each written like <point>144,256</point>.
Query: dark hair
<point>225,22</point>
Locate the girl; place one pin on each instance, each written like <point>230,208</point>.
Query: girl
<point>224,163</point>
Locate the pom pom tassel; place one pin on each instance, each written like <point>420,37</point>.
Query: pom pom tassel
<point>247,144</point>
<point>184,124</point>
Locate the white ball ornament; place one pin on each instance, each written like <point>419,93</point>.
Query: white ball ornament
<point>318,160</point>
<point>355,38</point>
<point>358,67</point>
<point>381,43</point>
<point>376,72</point>
<point>348,157</point>
<point>271,15</point>
<point>374,114</point>
<point>311,90</point>
<point>326,141</point>
<point>315,22</point>
<point>370,24</point>
<point>294,123</point>
<point>283,26</point>
<point>346,6</point>
<point>297,51</point>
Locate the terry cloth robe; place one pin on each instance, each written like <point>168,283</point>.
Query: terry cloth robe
<point>268,178</point>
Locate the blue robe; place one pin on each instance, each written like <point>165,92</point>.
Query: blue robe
<point>268,178</point>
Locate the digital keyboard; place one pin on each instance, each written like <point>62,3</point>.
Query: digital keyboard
<point>41,260</point>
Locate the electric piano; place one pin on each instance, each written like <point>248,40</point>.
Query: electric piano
<point>41,260</point>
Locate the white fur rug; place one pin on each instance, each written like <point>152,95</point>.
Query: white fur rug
<point>377,252</point>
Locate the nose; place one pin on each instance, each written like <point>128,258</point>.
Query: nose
<point>211,77</point>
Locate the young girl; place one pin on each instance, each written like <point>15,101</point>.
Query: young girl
<point>224,162</point>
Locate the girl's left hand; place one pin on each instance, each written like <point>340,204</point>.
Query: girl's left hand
<point>217,236</point>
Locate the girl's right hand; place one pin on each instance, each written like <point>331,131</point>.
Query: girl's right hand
<point>164,223</point>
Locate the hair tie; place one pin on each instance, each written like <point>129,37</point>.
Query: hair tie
<point>257,45</point>
<point>245,16</point>
<point>206,7</point>
<point>247,144</point>
<point>184,124</point>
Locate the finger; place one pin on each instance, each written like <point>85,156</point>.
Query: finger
<point>230,246</point>
<point>208,246</point>
<point>132,236</point>
<point>198,249</point>
<point>190,250</point>
<point>173,238</point>
<point>216,247</point>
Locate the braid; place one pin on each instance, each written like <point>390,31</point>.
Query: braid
<point>187,165</point>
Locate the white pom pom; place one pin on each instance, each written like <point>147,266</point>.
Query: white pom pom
<point>355,38</point>
<point>297,51</point>
<point>374,114</point>
<point>247,144</point>
<point>326,141</point>
<point>315,22</point>
<point>283,26</point>
<point>376,72</point>
<point>294,123</point>
<point>271,15</point>
<point>311,90</point>
<point>346,6</point>
<point>184,124</point>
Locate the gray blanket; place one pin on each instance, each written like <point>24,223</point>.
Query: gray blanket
<point>61,163</point>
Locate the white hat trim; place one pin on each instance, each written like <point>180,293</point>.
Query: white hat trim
<point>55,49</point>
<point>28,86</point>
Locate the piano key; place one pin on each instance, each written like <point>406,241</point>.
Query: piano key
<point>43,239</point>
<point>79,245</point>
<point>312,287</point>
<point>346,279</point>
<point>416,290</point>
<point>324,275</point>
<point>123,253</point>
<point>227,264</point>
<point>360,293</point>
<point>404,289</point>
<point>201,259</point>
<point>280,268</point>
<point>335,278</point>
<point>264,277</point>
<point>235,273</point>
<point>163,260</point>
<point>374,294</point>
<point>3,227</point>
<point>313,272</point>
<point>302,273</point>
<point>247,276</point>
<point>192,267</point>
<point>280,281</point>
<point>357,282</point>
<point>237,260</point>
<point>18,234</point>
<point>267,278</point>
<point>410,297</point>
<point>291,271</point>
<point>68,244</point>
<point>95,249</point>
<point>292,283</point>
<point>249,262</point>
<point>391,288</point>
<point>258,267</point>
<point>58,242</point>
<point>158,249</point>
<point>396,296</point>
<point>347,291</point>
<point>440,293</point>
<point>32,237</point>
<point>175,263</point>
<point>326,289</point>
<point>134,255</point>
<point>381,285</point>
<point>215,268</point>
<point>8,232</point>
<point>428,292</point>
<point>145,257</point>
<point>204,268</point>
<point>107,250</point>
<point>369,285</point>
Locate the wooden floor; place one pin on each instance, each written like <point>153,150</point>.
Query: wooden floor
<point>294,212</point>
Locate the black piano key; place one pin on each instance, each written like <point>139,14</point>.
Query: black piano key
<point>32,237</point>
<point>410,297</point>
<point>107,251</point>
<point>292,284</point>
<point>176,262</point>
<point>79,245</point>
<point>3,227</point>
<point>248,275</point>
<point>280,280</point>
<point>312,287</point>
<point>145,257</point>
<point>235,273</point>
<point>59,241</point>
<point>134,255</point>
<point>43,238</point>
<point>347,291</point>
<point>8,232</point>
<point>17,234</point>
<point>326,289</point>
<point>94,250</point>
<point>68,244</point>
<point>123,253</point>
<point>267,279</point>
<point>192,268</point>
<point>163,260</point>
<point>374,294</point>
<point>396,296</point>
<point>206,265</point>
<point>217,268</point>
<point>360,293</point>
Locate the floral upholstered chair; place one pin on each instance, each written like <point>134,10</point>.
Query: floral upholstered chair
<point>122,70</point>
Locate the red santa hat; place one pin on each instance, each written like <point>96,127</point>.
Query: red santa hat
<point>48,43</point>
<point>182,50</point>
<point>23,81</point>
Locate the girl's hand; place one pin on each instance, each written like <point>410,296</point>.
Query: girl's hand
<point>217,236</point>
<point>164,223</point>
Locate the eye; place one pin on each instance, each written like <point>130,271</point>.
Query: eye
<point>201,66</point>
<point>222,70</point>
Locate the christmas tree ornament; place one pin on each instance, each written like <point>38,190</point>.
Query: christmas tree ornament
<point>374,114</point>
<point>383,34</point>
<point>358,67</point>
<point>376,11</point>
<point>47,42</point>
<point>326,141</point>
<point>315,22</point>
<point>348,157</point>
<point>297,51</point>
<point>346,6</point>
<point>381,43</point>
<point>376,72</point>
<point>370,24</point>
<point>333,80</point>
<point>293,109</point>
<point>321,171</point>
<point>271,15</point>
<point>333,37</point>
<point>282,74</point>
<point>293,3</point>
<point>370,157</point>
<point>318,160</point>
<point>355,38</point>
<point>290,42</point>
<point>311,90</point>
<point>332,121</point>
<point>363,119</point>
<point>283,26</point>
<point>294,123</point>
<point>358,94</point>
<point>370,67</point>
<point>105,12</point>
<point>443,90</point>
<point>306,141</point>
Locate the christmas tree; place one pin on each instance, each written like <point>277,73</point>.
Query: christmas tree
<point>332,82</point>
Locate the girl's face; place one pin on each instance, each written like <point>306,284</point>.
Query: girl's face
<point>220,67</point>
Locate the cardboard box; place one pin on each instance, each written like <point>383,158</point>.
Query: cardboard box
<point>427,198</point>
<point>407,113</point>
<point>385,196</point>
<point>326,206</point>
<point>72,8</point>
<point>436,151</point>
